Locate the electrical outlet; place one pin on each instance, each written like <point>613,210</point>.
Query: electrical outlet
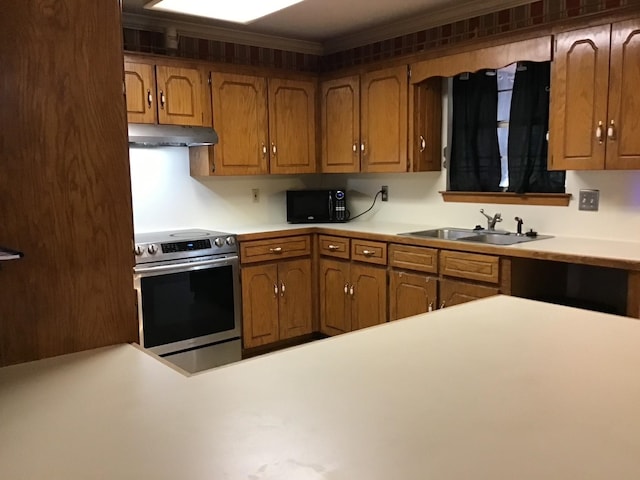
<point>589,200</point>
<point>385,193</point>
<point>255,195</point>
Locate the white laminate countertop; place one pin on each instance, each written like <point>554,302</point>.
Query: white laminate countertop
<point>500,388</point>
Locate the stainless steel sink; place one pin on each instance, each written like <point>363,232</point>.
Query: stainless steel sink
<point>499,237</point>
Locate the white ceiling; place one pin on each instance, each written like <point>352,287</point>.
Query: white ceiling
<point>322,26</point>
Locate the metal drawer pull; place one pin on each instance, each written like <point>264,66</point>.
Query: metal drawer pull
<point>368,253</point>
<point>333,248</point>
<point>282,289</point>
<point>275,289</point>
<point>423,144</point>
<point>599,133</point>
<point>276,250</point>
<point>149,98</point>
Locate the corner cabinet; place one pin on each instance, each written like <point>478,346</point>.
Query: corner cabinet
<point>276,293</point>
<point>364,122</point>
<point>594,98</point>
<point>166,94</point>
<point>265,125</point>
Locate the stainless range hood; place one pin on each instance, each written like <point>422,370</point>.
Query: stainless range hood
<point>144,135</point>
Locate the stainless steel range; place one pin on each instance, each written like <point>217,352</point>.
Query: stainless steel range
<point>188,289</point>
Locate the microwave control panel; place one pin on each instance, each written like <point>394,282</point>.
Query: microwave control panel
<point>340,206</point>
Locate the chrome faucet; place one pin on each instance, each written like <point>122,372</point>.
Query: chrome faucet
<point>491,221</point>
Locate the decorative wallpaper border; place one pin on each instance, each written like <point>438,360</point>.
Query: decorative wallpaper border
<point>542,12</point>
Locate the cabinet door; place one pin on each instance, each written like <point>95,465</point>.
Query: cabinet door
<point>240,119</point>
<point>335,304</point>
<point>411,294</point>
<point>295,298</point>
<point>140,86</point>
<point>623,122</point>
<point>453,292</point>
<point>384,120</point>
<point>425,127</point>
<point>260,294</point>
<point>292,126</point>
<point>369,298</point>
<point>579,92</point>
<point>180,96</point>
<point>340,125</point>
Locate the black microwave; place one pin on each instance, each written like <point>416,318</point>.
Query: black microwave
<point>316,206</point>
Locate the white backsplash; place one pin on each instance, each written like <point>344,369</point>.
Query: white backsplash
<point>166,197</point>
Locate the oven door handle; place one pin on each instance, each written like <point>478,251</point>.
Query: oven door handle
<point>184,267</point>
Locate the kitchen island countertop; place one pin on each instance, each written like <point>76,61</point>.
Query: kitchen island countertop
<point>497,388</point>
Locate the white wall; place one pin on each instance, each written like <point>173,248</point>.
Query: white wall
<point>165,197</point>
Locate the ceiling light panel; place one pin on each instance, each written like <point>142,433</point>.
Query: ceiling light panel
<point>238,11</point>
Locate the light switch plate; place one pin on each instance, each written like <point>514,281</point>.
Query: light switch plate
<point>589,200</point>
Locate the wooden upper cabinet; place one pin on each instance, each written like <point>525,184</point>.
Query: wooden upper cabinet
<point>241,121</point>
<point>166,94</point>
<point>425,126</point>
<point>292,126</point>
<point>140,85</point>
<point>340,125</point>
<point>595,99</point>
<point>384,120</point>
<point>180,96</point>
<point>623,121</point>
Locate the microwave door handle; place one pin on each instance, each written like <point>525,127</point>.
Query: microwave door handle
<point>330,206</point>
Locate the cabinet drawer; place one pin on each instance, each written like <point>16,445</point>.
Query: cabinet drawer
<point>274,249</point>
<point>484,268</point>
<point>334,246</point>
<point>414,258</point>
<point>370,252</point>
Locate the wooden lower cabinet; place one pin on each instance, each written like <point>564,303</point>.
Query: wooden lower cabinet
<point>411,294</point>
<point>352,296</point>
<point>454,292</point>
<point>276,302</point>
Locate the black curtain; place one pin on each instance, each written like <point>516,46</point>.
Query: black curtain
<point>475,155</point>
<point>528,127</point>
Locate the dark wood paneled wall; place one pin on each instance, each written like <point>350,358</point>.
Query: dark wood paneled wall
<point>65,195</point>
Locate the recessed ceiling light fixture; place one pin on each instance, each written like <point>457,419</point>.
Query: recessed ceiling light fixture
<point>239,11</point>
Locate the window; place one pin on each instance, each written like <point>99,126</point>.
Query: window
<point>499,125</point>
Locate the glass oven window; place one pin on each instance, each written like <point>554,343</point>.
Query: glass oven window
<point>182,306</point>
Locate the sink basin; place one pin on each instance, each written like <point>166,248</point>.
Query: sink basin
<point>444,233</point>
<point>498,237</point>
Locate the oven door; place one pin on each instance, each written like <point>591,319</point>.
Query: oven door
<point>188,304</point>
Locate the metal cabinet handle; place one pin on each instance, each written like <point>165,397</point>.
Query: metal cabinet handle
<point>599,133</point>
<point>362,147</point>
<point>611,131</point>
<point>282,289</point>
<point>355,147</point>
<point>368,253</point>
<point>430,308</point>
<point>276,250</point>
<point>333,248</point>
<point>351,290</point>
<point>149,99</point>
<point>273,148</point>
<point>163,99</point>
<point>423,144</point>
<point>443,304</point>
<point>275,289</point>
<point>264,151</point>
<point>346,288</point>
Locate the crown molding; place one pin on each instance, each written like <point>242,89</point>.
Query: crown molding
<point>441,16</point>
<point>159,24</point>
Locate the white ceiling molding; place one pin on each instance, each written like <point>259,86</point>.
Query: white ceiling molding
<point>441,16</point>
<point>159,24</point>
